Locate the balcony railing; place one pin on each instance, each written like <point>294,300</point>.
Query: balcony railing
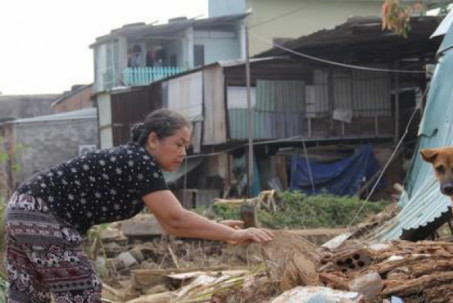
<point>147,75</point>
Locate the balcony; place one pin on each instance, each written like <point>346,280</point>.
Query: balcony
<point>146,75</point>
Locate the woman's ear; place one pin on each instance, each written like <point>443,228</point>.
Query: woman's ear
<point>152,141</point>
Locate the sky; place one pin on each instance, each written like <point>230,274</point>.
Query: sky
<point>44,44</point>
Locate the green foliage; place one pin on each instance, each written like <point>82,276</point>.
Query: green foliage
<point>297,210</point>
<point>227,212</point>
<point>3,158</point>
<point>3,288</point>
<point>396,17</point>
<point>2,228</point>
<point>95,245</point>
<point>3,283</point>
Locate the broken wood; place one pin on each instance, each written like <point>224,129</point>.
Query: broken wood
<point>166,297</point>
<point>387,266</point>
<point>416,285</point>
<point>173,257</point>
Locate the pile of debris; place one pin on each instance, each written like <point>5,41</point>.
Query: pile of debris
<point>143,264</point>
<point>137,258</point>
<point>414,272</point>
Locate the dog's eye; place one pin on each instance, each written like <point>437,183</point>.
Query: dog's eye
<point>440,169</point>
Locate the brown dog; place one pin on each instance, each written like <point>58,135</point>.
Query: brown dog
<point>442,160</point>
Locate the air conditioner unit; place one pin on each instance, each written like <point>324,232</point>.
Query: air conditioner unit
<point>84,149</point>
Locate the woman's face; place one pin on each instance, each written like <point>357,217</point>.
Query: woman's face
<point>169,152</point>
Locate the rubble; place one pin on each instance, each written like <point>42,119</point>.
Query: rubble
<point>412,271</point>
<point>290,268</point>
<point>317,294</point>
<point>143,225</point>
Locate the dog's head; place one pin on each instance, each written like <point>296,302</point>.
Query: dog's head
<point>442,161</point>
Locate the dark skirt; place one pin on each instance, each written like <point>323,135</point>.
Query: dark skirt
<point>44,256</point>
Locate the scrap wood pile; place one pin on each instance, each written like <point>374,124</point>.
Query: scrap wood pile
<point>241,274</point>
<point>290,269</point>
<point>412,271</point>
<point>287,269</point>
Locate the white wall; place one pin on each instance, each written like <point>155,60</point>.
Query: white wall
<point>225,7</point>
<point>100,67</point>
<point>218,45</point>
<point>175,48</point>
<point>306,17</point>
<point>105,120</point>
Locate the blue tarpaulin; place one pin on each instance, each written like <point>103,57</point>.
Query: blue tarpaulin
<point>341,178</point>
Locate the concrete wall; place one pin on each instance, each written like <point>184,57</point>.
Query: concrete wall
<point>218,45</point>
<point>175,48</point>
<point>26,106</point>
<point>100,66</point>
<point>105,120</point>
<point>44,144</point>
<point>308,16</point>
<point>226,7</point>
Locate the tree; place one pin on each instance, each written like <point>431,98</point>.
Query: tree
<point>395,15</point>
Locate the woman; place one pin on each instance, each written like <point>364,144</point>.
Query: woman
<point>49,213</point>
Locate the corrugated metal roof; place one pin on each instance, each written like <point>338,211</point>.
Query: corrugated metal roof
<point>142,30</point>
<point>447,42</point>
<point>238,62</point>
<point>89,113</point>
<point>357,34</point>
<point>423,202</point>
<point>444,25</point>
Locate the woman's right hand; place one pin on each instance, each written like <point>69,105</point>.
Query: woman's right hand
<point>252,234</point>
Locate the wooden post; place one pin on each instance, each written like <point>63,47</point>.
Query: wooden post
<point>397,106</point>
<point>250,112</point>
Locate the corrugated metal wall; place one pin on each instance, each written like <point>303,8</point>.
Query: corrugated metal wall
<point>214,117</point>
<point>289,108</point>
<point>131,107</point>
<point>185,95</point>
<point>371,94</point>
<point>363,94</point>
<point>342,90</point>
<point>317,100</point>
<point>278,112</point>
<point>280,96</point>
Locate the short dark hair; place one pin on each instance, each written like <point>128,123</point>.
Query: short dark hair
<point>164,122</point>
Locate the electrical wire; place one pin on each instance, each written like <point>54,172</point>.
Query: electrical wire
<point>279,16</point>
<point>284,15</point>
<point>388,162</point>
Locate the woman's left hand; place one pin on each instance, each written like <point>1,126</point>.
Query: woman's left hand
<point>236,224</point>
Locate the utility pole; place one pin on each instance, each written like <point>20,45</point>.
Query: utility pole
<point>250,112</point>
<point>397,105</point>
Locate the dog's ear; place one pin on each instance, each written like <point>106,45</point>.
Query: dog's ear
<point>429,154</point>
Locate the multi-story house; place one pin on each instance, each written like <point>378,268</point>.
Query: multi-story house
<point>139,53</point>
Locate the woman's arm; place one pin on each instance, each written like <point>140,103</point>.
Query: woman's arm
<point>178,221</point>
